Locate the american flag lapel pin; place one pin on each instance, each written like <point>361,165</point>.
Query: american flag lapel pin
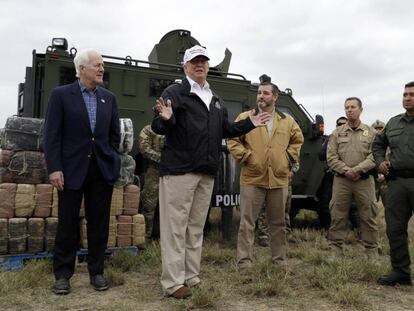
<point>103,100</point>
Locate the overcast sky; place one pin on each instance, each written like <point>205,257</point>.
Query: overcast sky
<point>324,50</point>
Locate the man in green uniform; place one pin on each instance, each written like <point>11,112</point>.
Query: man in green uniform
<point>150,145</point>
<point>399,201</point>
<point>350,157</point>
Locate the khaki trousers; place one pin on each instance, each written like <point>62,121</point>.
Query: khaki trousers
<point>251,201</point>
<point>184,202</point>
<point>363,192</point>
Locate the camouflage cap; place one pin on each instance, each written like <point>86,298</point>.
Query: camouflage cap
<point>378,124</point>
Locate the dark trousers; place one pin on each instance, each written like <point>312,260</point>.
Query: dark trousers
<point>399,204</point>
<point>97,194</point>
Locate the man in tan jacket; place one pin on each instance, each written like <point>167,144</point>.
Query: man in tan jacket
<point>266,155</point>
<point>350,157</point>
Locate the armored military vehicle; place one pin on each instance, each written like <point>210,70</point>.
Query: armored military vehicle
<point>137,84</point>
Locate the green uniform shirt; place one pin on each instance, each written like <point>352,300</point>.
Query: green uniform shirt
<point>398,135</point>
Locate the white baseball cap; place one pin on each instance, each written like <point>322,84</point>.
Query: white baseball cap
<point>193,52</point>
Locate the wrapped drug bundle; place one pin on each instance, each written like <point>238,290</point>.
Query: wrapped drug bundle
<point>17,235</point>
<point>22,134</point>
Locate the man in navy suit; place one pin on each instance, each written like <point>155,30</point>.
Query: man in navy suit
<point>81,138</point>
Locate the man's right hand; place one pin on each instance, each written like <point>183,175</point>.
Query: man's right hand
<point>56,179</point>
<point>384,167</point>
<point>164,108</point>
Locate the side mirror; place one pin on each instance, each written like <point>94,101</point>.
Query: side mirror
<point>318,127</point>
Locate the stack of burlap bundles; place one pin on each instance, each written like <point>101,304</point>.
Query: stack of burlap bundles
<point>4,236</point>
<point>36,233</point>
<point>22,159</point>
<point>138,229</point>
<point>43,200</point>
<point>117,203</point>
<point>131,200</point>
<point>124,231</point>
<point>22,134</point>
<point>24,202</point>
<point>50,233</point>
<point>17,235</point>
<point>112,231</point>
<point>7,196</point>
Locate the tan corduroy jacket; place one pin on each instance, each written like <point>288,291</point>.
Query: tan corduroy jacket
<point>267,159</point>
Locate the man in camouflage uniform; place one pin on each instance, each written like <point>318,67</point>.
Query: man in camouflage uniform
<point>150,145</point>
<point>399,201</point>
<point>350,157</point>
<point>262,229</point>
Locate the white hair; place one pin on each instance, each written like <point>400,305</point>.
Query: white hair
<point>82,58</point>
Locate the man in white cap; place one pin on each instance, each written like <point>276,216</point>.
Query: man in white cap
<point>194,121</point>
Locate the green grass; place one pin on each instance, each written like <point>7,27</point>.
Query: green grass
<point>314,281</point>
<point>32,276</point>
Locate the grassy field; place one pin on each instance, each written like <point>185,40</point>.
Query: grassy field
<point>315,280</point>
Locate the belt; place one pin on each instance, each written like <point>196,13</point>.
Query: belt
<point>402,173</point>
<point>363,175</point>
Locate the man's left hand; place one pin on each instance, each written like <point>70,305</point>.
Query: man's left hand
<point>260,119</point>
<point>350,174</point>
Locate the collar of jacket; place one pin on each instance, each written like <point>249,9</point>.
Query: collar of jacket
<point>280,113</point>
<point>186,89</point>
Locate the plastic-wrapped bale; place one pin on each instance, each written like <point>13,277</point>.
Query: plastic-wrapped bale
<point>4,236</point>
<point>43,200</point>
<point>127,135</point>
<point>117,202</point>
<point>124,231</point>
<point>7,197</point>
<point>36,232</point>
<point>138,229</point>
<point>50,232</point>
<point>131,200</point>
<point>5,157</point>
<point>5,175</point>
<point>17,235</point>
<point>23,134</point>
<point>27,167</point>
<point>112,231</point>
<point>55,203</point>
<point>24,202</point>
<point>126,176</point>
<point>83,233</point>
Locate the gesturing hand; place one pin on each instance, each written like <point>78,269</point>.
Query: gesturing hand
<point>259,119</point>
<point>164,108</point>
